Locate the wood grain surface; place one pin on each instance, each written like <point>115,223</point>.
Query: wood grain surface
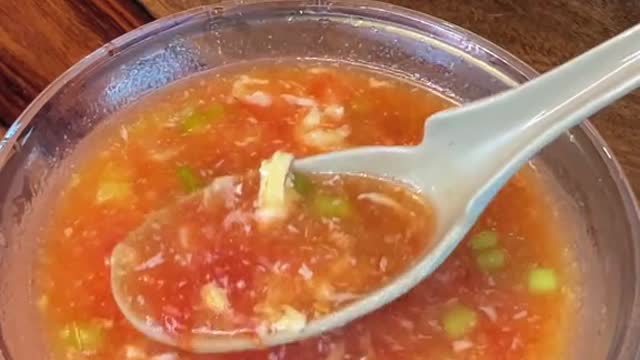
<point>41,38</point>
<point>160,8</point>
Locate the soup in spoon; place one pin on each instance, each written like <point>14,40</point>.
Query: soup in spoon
<point>251,255</point>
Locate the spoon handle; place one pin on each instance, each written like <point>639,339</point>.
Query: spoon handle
<point>498,135</point>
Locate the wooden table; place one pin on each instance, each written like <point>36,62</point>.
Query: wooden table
<point>39,39</point>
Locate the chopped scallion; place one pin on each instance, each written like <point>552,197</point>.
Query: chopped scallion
<point>484,240</point>
<point>197,121</point>
<point>188,178</point>
<point>459,321</point>
<point>542,281</point>
<point>302,184</point>
<point>331,206</point>
<point>113,191</point>
<point>492,259</point>
<point>86,338</point>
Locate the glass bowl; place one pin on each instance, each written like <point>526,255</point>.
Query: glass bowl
<point>406,44</point>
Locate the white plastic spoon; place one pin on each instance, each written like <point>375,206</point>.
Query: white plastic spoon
<point>466,156</point>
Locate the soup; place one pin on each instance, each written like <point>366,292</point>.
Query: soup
<point>505,293</point>
<point>250,255</point>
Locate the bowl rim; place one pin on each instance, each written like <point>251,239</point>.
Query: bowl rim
<point>624,342</point>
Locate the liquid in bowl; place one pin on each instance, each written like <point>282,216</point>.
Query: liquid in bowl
<point>507,292</point>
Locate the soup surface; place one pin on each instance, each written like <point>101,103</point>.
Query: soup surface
<point>249,255</point>
<point>507,292</point>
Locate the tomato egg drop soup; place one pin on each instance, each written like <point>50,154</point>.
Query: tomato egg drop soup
<point>225,260</point>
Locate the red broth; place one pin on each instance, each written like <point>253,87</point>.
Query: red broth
<point>211,264</point>
<point>507,292</point>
